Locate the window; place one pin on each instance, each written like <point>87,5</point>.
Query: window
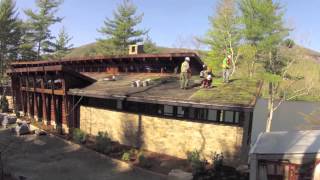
<point>202,114</point>
<point>192,112</point>
<point>231,117</point>
<point>228,116</point>
<point>133,49</point>
<point>119,104</point>
<point>213,115</point>
<point>236,117</point>
<point>181,111</point>
<point>168,110</point>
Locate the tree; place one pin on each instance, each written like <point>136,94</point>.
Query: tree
<point>9,33</point>
<point>41,21</point>
<point>224,35</point>
<point>248,53</point>
<point>264,29</point>
<point>121,31</point>
<point>150,46</point>
<point>62,44</point>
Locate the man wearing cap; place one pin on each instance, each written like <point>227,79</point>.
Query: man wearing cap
<point>226,68</point>
<point>184,79</point>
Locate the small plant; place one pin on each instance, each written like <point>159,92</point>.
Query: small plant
<point>198,164</point>
<point>4,104</point>
<point>217,161</point>
<point>129,155</point>
<point>79,136</point>
<point>103,142</point>
<point>144,161</point>
<point>126,156</point>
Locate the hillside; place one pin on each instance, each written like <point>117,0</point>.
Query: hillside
<point>304,72</point>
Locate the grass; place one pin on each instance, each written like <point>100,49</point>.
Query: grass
<point>237,92</point>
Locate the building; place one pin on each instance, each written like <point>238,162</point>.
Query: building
<point>137,100</point>
<point>286,155</point>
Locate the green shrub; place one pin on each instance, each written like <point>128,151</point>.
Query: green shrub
<point>217,161</point>
<point>103,142</point>
<point>126,156</point>
<point>198,164</point>
<point>4,104</point>
<point>79,136</point>
<point>144,161</point>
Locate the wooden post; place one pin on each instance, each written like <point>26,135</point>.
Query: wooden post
<point>44,103</point>
<point>35,99</point>
<point>64,109</point>
<point>28,97</point>
<point>53,103</point>
<point>21,95</point>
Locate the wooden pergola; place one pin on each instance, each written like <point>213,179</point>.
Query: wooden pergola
<point>41,92</point>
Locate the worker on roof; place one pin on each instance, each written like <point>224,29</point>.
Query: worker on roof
<point>226,68</point>
<point>184,73</point>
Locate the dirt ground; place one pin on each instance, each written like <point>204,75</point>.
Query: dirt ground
<point>48,157</point>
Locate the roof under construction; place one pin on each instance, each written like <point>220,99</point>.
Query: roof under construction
<point>165,89</point>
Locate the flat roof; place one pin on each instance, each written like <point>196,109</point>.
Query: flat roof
<point>287,142</point>
<point>165,89</point>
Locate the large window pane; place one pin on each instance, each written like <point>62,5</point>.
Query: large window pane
<point>180,111</point>
<point>168,110</point>
<point>192,113</point>
<point>202,114</point>
<point>236,117</point>
<point>228,116</point>
<point>212,115</point>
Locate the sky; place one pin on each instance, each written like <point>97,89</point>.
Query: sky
<point>172,23</point>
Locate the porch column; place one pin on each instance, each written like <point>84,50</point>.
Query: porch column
<point>44,104</point>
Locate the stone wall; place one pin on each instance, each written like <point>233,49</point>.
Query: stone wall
<point>162,135</point>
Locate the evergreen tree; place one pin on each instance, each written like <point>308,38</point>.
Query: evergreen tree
<point>264,29</point>
<point>62,44</point>
<point>41,21</point>
<point>27,44</point>
<point>149,46</point>
<point>223,37</point>
<point>9,33</point>
<point>121,31</point>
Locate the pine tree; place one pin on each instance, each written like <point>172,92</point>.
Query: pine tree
<point>41,21</point>
<point>62,44</point>
<point>121,31</point>
<point>149,46</point>
<point>264,29</point>
<point>223,37</point>
<point>9,33</point>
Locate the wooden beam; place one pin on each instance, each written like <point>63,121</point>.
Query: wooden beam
<point>45,91</point>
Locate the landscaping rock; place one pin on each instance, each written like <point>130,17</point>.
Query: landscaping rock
<point>39,132</point>
<point>1,117</point>
<point>177,174</point>
<point>23,128</point>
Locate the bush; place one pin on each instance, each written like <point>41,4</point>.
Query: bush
<point>126,156</point>
<point>144,161</point>
<point>197,163</point>
<point>79,136</point>
<point>129,155</point>
<point>4,104</point>
<point>289,43</point>
<point>103,142</point>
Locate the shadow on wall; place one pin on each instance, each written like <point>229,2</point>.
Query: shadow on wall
<point>132,132</point>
